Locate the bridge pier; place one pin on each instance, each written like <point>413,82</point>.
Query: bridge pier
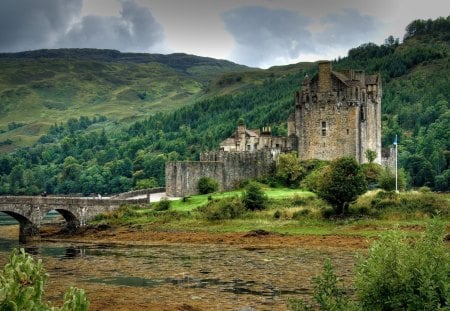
<point>28,232</point>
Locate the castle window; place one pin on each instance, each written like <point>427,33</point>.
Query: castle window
<point>324,128</point>
<point>348,131</point>
<point>362,114</point>
<point>248,147</point>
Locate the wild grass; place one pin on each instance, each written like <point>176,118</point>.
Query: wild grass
<point>290,211</point>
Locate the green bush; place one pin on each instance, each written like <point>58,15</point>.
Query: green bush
<point>396,274</point>
<point>399,275</point>
<point>163,205</point>
<point>22,287</point>
<point>254,197</point>
<point>341,183</point>
<point>207,185</point>
<point>372,172</point>
<point>405,204</point>
<point>386,180</point>
<point>311,181</point>
<point>327,295</point>
<point>227,208</point>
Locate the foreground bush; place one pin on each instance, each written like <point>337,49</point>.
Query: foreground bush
<point>400,275</point>
<point>396,274</point>
<point>327,294</point>
<point>254,197</point>
<point>228,208</point>
<point>22,287</point>
<point>207,185</point>
<point>341,183</point>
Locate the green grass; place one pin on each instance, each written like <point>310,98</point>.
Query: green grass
<point>184,217</point>
<point>272,193</point>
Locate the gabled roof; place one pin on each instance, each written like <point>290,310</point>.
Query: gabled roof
<point>251,133</point>
<point>340,76</point>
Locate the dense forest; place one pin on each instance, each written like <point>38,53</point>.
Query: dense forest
<point>84,156</point>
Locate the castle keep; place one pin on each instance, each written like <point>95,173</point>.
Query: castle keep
<point>337,113</point>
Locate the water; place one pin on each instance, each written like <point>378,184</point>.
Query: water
<point>6,220</point>
<point>165,277</point>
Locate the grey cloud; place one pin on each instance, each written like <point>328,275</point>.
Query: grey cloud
<point>135,30</point>
<point>347,28</point>
<point>263,35</point>
<point>32,24</point>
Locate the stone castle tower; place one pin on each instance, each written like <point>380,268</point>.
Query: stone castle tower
<point>337,114</point>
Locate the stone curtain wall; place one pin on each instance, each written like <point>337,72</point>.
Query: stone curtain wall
<point>227,168</point>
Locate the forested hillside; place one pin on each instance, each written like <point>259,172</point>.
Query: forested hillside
<point>86,156</point>
<point>38,88</point>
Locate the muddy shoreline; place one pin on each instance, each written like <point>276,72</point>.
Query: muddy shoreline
<point>260,238</point>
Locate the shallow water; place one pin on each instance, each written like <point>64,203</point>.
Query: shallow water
<point>171,277</point>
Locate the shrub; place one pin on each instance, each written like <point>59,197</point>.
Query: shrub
<point>372,172</point>
<point>163,205</point>
<point>400,275</point>
<point>301,214</point>
<point>22,286</point>
<point>327,294</point>
<point>289,169</point>
<point>254,197</point>
<point>311,181</point>
<point>386,180</point>
<point>207,185</point>
<point>341,183</point>
<point>228,208</point>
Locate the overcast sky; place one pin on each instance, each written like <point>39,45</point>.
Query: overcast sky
<point>258,33</point>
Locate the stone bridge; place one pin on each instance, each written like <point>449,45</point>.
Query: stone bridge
<point>29,211</point>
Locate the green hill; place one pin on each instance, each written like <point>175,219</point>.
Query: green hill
<point>39,88</point>
<point>91,155</point>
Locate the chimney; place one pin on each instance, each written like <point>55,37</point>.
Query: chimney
<point>324,76</point>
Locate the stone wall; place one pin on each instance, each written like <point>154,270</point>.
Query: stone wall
<point>227,168</point>
<point>341,130</point>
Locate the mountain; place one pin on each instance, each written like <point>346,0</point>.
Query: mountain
<point>39,88</point>
<point>89,154</point>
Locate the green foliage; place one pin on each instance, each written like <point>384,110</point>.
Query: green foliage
<point>386,180</point>
<point>406,205</point>
<point>327,295</point>
<point>254,197</point>
<point>370,155</point>
<point>227,208</point>
<point>341,183</point>
<point>163,204</point>
<point>207,185</point>
<point>22,287</point>
<point>371,172</point>
<point>400,275</point>
<point>289,169</point>
<point>114,154</point>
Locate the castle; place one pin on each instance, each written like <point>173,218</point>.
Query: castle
<point>337,113</point>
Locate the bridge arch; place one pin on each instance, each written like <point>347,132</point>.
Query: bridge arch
<point>26,227</point>
<point>72,220</point>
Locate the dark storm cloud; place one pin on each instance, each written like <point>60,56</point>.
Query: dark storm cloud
<point>135,30</point>
<point>263,35</point>
<point>32,24</point>
<point>347,28</point>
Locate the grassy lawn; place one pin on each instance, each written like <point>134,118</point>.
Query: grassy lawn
<point>272,193</point>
